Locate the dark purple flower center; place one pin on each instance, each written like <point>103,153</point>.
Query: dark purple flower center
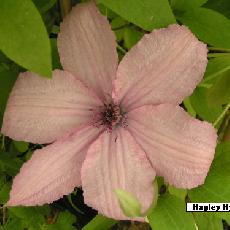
<point>110,116</point>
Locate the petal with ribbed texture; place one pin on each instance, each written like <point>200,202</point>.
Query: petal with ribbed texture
<point>180,148</point>
<point>164,67</point>
<point>87,48</point>
<point>43,110</point>
<point>53,171</point>
<point>115,161</point>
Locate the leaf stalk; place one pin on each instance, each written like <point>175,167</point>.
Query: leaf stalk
<point>65,7</point>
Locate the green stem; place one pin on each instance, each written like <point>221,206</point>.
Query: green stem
<point>3,142</point>
<point>215,123</point>
<point>121,49</point>
<point>210,55</point>
<point>188,106</point>
<point>69,197</point>
<point>219,49</point>
<point>3,215</point>
<point>65,6</point>
<point>206,85</point>
<point>224,129</point>
<point>226,136</point>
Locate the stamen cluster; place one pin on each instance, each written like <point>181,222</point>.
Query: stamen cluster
<point>110,116</point>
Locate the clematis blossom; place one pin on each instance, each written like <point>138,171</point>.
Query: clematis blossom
<point>110,126</point>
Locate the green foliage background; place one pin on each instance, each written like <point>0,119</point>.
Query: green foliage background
<point>28,32</point>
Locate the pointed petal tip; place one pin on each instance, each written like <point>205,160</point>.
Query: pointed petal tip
<point>180,147</point>
<point>15,202</point>
<point>10,203</point>
<point>86,36</point>
<point>43,110</point>
<point>167,75</point>
<point>53,171</point>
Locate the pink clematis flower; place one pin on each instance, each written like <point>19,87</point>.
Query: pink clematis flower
<point>110,126</point>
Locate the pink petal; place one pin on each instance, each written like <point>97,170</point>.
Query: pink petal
<point>180,148</point>
<point>53,171</point>
<point>87,48</point>
<point>164,67</point>
<point>42,110</point>
<point>115,161</point>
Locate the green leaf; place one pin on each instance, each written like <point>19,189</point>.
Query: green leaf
<point>217,184</point>
<point>203,106</point>
<point>24,38</point>
<point>129,204</point>
<point>106,11</point>
<point>208,102</point>
<point>219,93</point>
<point>32,217</point>
<point>147,14</point>
<point>4,192</point>
<point>2,179</point>
<point>9,164</point>
<point>118,22</point>
<point>14,224</point>
<point>21,146</point>
<point>208,221</point>
<point>178,192</point>
<point>44,5</point>
<point>215,67</point>
<point>169,214</point>
<point>131,37</point>
<point>222,6</point>
<point>119,34</point>
<point>99,222</point>
<point>65,221</point>
<point>208,25</point>
<point>183,5</point>
<point>7,79</point>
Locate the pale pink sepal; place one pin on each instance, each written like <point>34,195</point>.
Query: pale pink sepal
<point>53,171</point>
<point>180,148</point>
<point>87,48</point>
<point>115,161</point>
<point>164,67</point>
<point>42,110</point>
